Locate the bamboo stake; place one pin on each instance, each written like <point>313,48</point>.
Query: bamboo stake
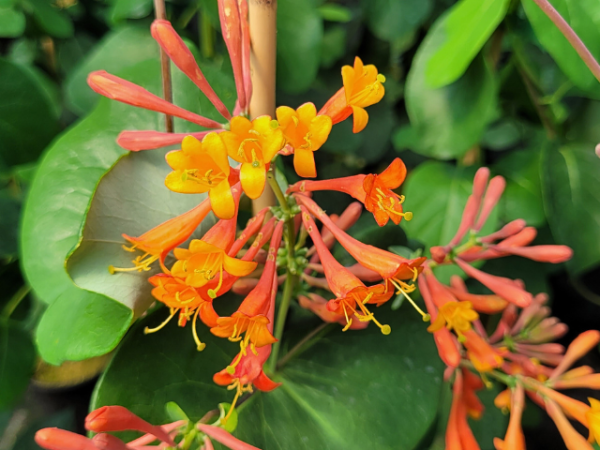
<point>263,36</point>
<point>165,68</point>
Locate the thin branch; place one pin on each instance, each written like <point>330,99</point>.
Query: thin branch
<point>571,36</point>
<point>165,68</point>
<point>300,345</point>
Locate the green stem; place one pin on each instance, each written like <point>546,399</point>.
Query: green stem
<point>277,190</point>
<point>305,341</point>
<point>16,299</point>
<point>207,35</point>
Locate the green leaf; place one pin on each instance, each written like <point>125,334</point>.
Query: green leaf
<point>467,26</point>
<point>12,23</point>
<point>299,35</point>
<point>50,19</point>
<point>335,13</point>
<point>79,325</point>
<point>27,119</point>
<point>393,19</point>
<point>452,119</point>
<point>570,176</point>
<point>522,198</point>
<point>121,48</point>
<point>17,358</point>
<point>436,194</point>
<point>333,46</point>
<point>338,381</point>
<point>9,223</point>
<point>584,17</point>
<point>129,9</point>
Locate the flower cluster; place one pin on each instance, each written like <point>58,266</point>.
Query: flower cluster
<point>519,352</point>
<point>116,418</point>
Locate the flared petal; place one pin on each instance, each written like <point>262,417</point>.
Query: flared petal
<point>304,163</point>
<point>361,118</point>
<point>253,179</point>
<point>237,267</point>
<point>222,201</point>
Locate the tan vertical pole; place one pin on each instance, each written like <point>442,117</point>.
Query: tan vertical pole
<point>263,38</point>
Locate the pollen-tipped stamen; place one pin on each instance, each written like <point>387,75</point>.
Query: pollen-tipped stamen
<point>141,264</point>
<point>200,345</point>
<point>426,317</point>
<point>149,330</point>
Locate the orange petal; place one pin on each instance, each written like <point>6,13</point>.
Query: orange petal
<point>222,201</point>
<point>238,268</point>
<point>361,118</point>
<point>304,163</point>
<point>253,179</point>
<point>320,127</point>
<point>307,112</point>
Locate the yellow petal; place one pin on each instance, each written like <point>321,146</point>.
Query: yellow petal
<point>307,112</point>
<point>240,125</point>
<point>358,66</point>
<point>178,160</point>
<point>262,124</point>
<point>304,163</point>
<point>361,118</point>
<point>284,115</point>
<point>191,144</point>
<point>232,144</point>
<point>320,127</point>
<point>215,148</point>
<point>272,144</point>
<point>237,267</point>
<point>253,179</point>
<point>348,80</point>
<point>176,182</point>
<point>221,200</point>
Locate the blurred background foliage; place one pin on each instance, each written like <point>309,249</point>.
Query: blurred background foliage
<point>469,83</point>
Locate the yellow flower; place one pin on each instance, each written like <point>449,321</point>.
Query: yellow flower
<point>305,132</point>
<point>455,315</point>
<point>254,144</point>
<point>593,417</point>
<point>203,167</point>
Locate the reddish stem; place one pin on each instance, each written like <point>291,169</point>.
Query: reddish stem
<point>165,68</point>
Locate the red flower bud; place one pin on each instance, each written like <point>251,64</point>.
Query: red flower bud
<point>57,439</point>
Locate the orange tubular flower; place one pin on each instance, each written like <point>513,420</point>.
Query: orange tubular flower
<point>392,268</point>
<point>207,257</point>
<point>573,440</point>
<point>200,167</point>
<point>223,437</point>
<point>159,241</point>
<point>351,293</point>
<point>593,417</point>
<point>363,87</point>
<point>375,191</point>
<point>251,317</point>
<point>57,439</point>
<point>305,132</point>
<point>135,141</point>
<point>454,315</point>
<point>318,305</point>
<point>514,439</point>
<point>458,433</point>
<point>254,144</point>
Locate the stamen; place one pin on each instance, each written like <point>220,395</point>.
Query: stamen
<point>426,317</point>
<point>141,265</point>
<point>212,293</point>
<point>200,345</point>
<point>148,330</point>
<point>385,329</point>
<point>238,392</point>
<point>129,249</point>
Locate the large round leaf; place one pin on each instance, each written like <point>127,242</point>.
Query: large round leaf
<point>394,19</point>
<point>570,177</point>
<point>357,389</point>
<point>452,119</point>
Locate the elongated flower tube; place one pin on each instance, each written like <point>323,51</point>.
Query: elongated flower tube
<point>203,167</point>
<point>573,408</point>
<point>105,441</point>
<point>251,317</point>
<point>124,91</point>
<point>253,226</point>
<point>391,267</point>
<point>318,305</point>
<point>375,191</point>
<point>160,240</point>
<point>254,144</point>
<point>472,384</point>
<point>57,439</point>
<point>305,132</point>
<point>231,26</point>
<point>458,433</point>
<point>363,87</point>
<point>500,286</point>
<point>136,141</point>
<point>163,32</point>
<point>492,196</point>
<point>483,356</point>
<point>223,437</point>
<point>351,293</point>
<point>580,346</point>
<point>573,440</point>
<point>118,418</point>
<point>514,439</point>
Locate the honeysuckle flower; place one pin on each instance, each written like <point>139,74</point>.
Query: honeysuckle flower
<point>118,418</point>
<point>363,87</point>
<point>580,346</point>
<point>162,31</point>
<point>207,258</point>
<point>351,293</point>
<point>487,304</point>
<point>514,438</point>
<point>253,226</point>
<point>483,356</point>
<point>375,191</point>
<point>251,317</point>
<point>57,439</point>
<point>458,433</point>
<point>392,268</point>
<point>254,144</point>
<point>593,417</point>
<point>573,440</point>
<point>124,91</point>
<point>203,167</point>
<point>136,141</point>
<point>160,240</point>
<point>472,384</point>
<point>223,437</point>
<point>305,132</point>
<point>246,369</point>
<point>455,316</point>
